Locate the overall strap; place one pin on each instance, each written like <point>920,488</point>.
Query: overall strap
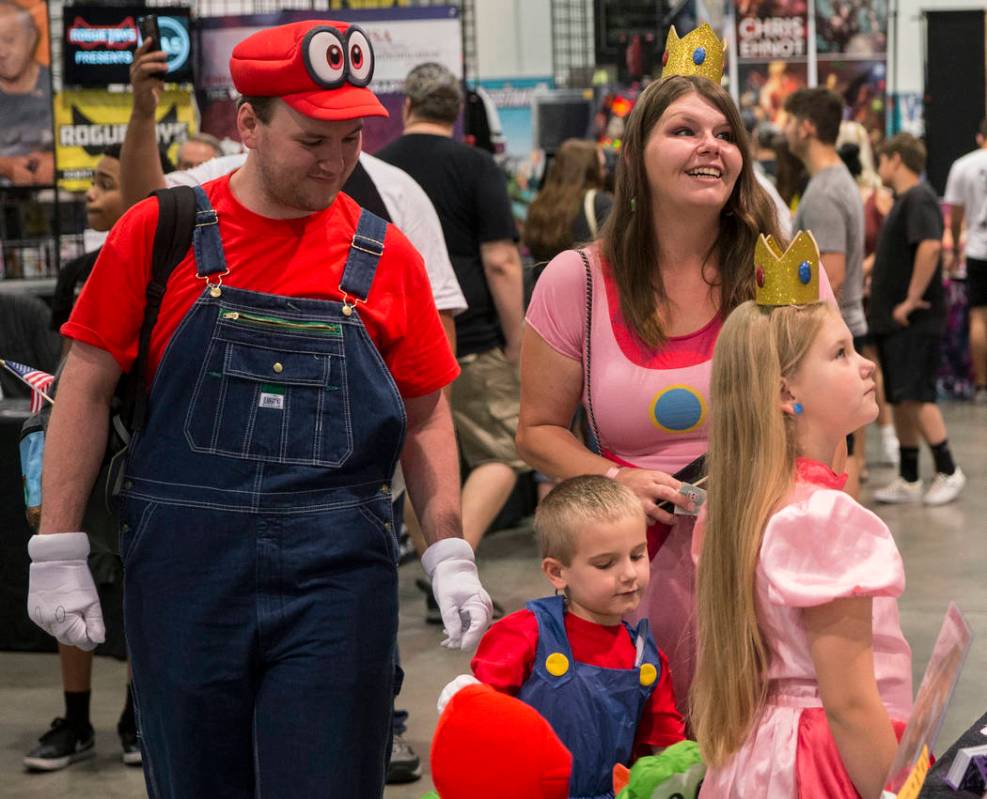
<point>365,251</point>
<point>549,612</point>
<point>209,257</point>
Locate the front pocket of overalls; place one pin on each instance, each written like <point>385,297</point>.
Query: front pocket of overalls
<point>278,402</point>
<point>136,516</point>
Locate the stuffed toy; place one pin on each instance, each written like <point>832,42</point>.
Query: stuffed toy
<point>677,773</point>
<point>489,745</point>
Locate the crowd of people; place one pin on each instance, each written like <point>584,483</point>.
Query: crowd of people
<point>343,331</point>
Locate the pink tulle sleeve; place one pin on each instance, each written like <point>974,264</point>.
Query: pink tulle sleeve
<point>825,547</point>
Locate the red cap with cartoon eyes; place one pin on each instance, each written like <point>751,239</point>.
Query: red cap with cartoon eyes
<point>320,68</point>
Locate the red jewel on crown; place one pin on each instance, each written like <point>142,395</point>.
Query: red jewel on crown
<point>664,59</point>
<point>759,277</point>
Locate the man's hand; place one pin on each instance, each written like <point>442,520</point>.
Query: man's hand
<point>17,169</point>
<point>465,606</point>
<point>904,309</point>
<point>146,73</point>
<point>61,597</point>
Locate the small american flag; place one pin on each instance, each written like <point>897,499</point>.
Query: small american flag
<point>39,381</point>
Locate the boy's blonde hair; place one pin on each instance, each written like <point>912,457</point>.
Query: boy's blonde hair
<point>751,465</point>
<point>576,502</point>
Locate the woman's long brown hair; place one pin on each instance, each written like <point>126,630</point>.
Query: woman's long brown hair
<point>574,170</point>
<point>629,235</point>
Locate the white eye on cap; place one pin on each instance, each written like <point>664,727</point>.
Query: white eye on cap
<point>360,56</point>
<point>325,57</point>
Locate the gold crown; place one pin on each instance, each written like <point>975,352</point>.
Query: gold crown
<point>790,277</point>
<point>700,52</point>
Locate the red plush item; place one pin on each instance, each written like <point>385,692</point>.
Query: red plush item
<point>489,745</point>
<point>320,68</point>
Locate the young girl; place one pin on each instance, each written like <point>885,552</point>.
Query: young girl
<point>802,666</point>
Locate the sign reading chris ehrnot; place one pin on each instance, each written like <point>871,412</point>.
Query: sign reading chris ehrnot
<point>99,43</point>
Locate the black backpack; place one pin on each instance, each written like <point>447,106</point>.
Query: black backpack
<point>128,410</point>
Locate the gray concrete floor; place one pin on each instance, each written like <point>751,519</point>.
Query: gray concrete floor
<point>943,549</point>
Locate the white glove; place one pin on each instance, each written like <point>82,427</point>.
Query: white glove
<point>465,607</point>
<point>456,685</point>
<point>61,594</point>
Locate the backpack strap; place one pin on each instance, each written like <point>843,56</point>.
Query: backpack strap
<point>172,239</point>
<point>587,355</point>
<point>366,248</point>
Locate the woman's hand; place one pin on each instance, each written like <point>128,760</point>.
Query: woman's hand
<point>654,488</point>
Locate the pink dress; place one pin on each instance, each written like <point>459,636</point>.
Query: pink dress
<point>820,547</point>
<point>651,408</point>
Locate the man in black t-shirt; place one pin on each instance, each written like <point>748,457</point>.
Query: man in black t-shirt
<point>907,315</point>
<point>469,193</point>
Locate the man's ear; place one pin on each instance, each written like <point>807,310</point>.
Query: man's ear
<point>247,124</point>
<point>554,570</point>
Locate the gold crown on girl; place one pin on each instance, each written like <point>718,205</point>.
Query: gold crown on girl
<point>699,52</point>
<point>786,278</point>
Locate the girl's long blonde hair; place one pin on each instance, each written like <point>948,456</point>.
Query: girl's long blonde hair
<point>751,465</point>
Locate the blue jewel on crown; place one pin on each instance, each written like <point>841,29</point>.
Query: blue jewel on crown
<point>698,56</point>
<point>805,272</point>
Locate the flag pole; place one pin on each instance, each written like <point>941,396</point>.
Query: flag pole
<point>3,363</point>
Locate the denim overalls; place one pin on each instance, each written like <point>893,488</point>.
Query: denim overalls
<point>594,710</point>
<point>260,575</point>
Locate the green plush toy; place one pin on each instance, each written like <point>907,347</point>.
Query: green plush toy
<point>677,773</point>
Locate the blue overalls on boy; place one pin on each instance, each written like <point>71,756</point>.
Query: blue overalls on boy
<point>595,710</point>
<point>259,555</point>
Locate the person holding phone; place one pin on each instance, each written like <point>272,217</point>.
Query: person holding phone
<point>627,326</point>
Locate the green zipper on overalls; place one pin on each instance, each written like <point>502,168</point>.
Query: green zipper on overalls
<point>272,321</point>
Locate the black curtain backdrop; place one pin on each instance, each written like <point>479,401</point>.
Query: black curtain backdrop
<point>954,88</point>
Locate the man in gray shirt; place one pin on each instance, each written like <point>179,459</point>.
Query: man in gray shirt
<point>832,209</point>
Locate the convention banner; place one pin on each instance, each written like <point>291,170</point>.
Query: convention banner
<point>863,86</point>
<point>87,121</point>
<point>771,42</point>
<point>851,46</point>
<point>853,28</point>
<point>26,146</point>
<point>402,37</point>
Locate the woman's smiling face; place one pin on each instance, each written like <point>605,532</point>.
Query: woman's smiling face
<point>691,157</point>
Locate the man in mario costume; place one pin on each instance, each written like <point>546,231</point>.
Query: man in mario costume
<point>296,356</point>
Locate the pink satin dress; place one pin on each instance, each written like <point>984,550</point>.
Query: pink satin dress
<point>820,547</point>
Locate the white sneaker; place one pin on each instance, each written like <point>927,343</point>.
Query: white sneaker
<point>890,449</point>
<point>900,492</point>
<point>945,488</point>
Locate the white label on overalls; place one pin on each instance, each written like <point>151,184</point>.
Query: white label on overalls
<point>275,401</point>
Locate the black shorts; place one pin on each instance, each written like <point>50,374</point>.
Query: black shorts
<point>976,282</point>
<point>909,363</point>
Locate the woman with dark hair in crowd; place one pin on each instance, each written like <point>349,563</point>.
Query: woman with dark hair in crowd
<point>571,206</point>
<point>627,327</point>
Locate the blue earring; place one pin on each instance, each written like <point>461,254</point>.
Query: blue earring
<point>797,408</point>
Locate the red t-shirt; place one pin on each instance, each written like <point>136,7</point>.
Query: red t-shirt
<point>506,656</point>
<point>290,257</point>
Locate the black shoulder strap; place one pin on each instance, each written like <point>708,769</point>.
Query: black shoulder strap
<point>172,239</point>
<point>587,351</point>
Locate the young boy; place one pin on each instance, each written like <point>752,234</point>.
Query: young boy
<point>603,686</point>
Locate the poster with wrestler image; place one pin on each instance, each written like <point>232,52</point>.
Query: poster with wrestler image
<point>863,86</point>
<point>854,28</point>
<point>772,49</point>
<point>27,156</point>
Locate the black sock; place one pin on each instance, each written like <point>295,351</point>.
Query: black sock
<point>77,709</point>
<point>943,457</point>
<point>908,468</point>
<point>128,723</point>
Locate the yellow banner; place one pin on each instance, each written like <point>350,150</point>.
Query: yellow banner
<point>87,121</point>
